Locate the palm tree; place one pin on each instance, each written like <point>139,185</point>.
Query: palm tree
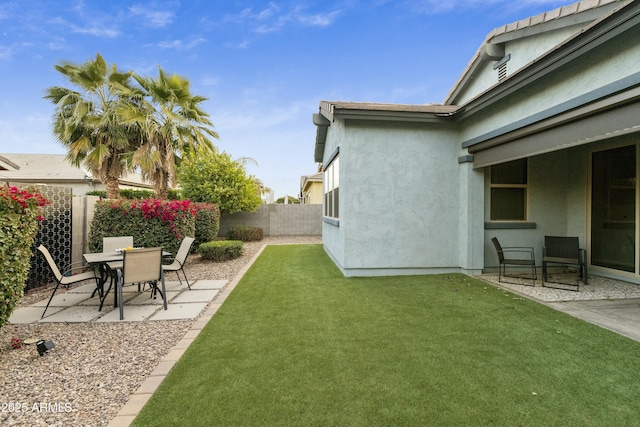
<point>86,121</point>
<point>170,122</point>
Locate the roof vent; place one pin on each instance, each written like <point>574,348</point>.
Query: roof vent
<point>502,72</point>
<point>501,66</point>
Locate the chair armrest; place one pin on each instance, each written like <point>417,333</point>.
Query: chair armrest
<point>519,249</point>
<point>171,261</point>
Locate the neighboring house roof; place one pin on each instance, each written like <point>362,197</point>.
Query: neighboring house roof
<point>307,180</point>
<point>492,49</point>
<point>50,168</point>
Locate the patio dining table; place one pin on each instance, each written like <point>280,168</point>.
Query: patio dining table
<point>101,261</point>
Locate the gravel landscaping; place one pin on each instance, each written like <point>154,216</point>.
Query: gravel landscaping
<point>94,367</point>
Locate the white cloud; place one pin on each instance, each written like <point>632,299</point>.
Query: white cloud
<point>209,80</point>
<point>274,17</point>
<point>6,52</point>
<point>94,29</point>
<point>57,43</point>
<point>180,44</point>
<point>151,17</point>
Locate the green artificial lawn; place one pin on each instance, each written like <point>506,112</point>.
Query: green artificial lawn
<point>297,344</point>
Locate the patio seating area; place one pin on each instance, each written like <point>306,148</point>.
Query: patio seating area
<point>77,304</point>
<point>599,288</point>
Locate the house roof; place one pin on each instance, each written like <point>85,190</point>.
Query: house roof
<point>307,180</point>
<point>492,49</point>
<point>44,168</point>
<point>601,18</point>
<point>376,111</point>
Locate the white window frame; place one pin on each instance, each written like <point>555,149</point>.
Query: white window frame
<point>331,180</point>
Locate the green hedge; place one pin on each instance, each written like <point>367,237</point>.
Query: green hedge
<point>245,233</point>
<point>221,250</point>
<point>151,222</point>
<point>207,223</point>
<point>19,217</point>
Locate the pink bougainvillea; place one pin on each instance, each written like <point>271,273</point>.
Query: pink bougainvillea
<point>13,199</point>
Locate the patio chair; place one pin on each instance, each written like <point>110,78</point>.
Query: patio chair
<point>110,244</point>
<point>508,256</point>
<point>564,250</point>
<point>67,277</point>
<point>181,257</point>
<point>141,266</point>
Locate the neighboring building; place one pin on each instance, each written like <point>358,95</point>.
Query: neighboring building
<point>54,169</point>
<point>311,189</point>
<point>539,136</point>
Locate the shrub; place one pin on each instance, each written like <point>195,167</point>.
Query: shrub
<point>215,178</point>
<point>221,250</point>
<point>151,222</point>
<point>207,223</point>
<point>245,233</point>
<point>19,217</point>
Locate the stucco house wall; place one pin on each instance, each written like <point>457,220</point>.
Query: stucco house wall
<point>403,221</point>
<point>614,61</point>
<point>415,191</point>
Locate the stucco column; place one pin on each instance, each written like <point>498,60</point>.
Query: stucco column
<point>471,232</point>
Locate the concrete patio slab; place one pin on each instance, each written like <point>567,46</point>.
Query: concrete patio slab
<point>180,311</point>
<point>63,300</point>
<point>204,295</point>
<point>175,286</point>
<point>95,301</point>
<point>132,313</point>
<point>84,289</point>
<point>145,299</point>
<point>75,314</point>
<point>620,316</point>
<point>31,314</point>
<point>208,284</point>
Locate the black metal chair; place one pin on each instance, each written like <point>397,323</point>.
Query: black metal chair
<point>566,251</point>
<point>507,256</point>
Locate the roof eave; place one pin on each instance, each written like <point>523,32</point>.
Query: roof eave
<point>495,40</point>
<point>608,26</point>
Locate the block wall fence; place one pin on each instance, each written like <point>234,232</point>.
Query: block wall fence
<point>278,220</point>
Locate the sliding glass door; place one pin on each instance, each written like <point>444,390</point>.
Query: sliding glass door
<point>614,208</point>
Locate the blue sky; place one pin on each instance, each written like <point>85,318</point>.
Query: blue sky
<point>264,65</point>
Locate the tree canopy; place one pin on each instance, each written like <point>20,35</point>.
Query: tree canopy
<point>112,125</point>
<point>214,177</point>
<point>86,122</point>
